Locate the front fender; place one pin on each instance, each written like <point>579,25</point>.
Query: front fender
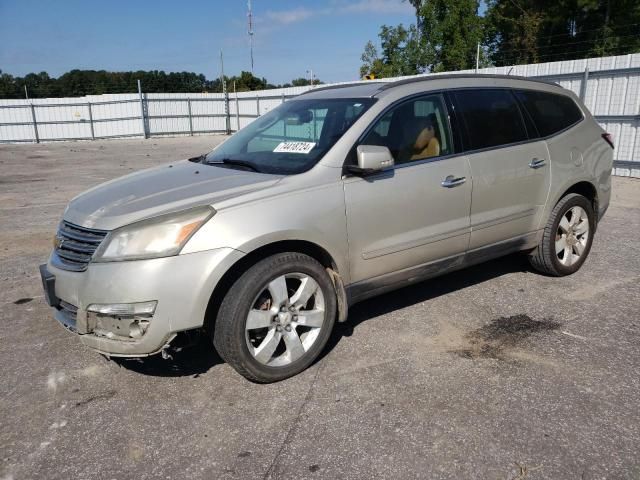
<point>316,215</point>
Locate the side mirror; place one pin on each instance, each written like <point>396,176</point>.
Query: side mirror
<point>372,159</point>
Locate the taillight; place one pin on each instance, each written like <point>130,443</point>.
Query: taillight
<point>608,138</point>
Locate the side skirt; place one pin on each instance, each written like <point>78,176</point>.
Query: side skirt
<point>359,291</point>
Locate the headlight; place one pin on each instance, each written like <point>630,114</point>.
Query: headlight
<point>160,236</point>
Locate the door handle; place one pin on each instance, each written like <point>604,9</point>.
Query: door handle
<point>452,181</point>
<point>537,163</point>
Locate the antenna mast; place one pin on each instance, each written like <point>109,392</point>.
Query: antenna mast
<point>250,31</point>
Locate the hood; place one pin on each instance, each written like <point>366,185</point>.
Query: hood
<point>159,190</point>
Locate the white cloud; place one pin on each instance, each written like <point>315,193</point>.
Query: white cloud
<point>340,7</point>
<point>285,17</point>
<point>376,6</point>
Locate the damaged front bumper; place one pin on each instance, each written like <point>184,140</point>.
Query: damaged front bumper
<point>135,308</point>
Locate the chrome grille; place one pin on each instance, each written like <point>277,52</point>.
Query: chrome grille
<point>74,246</point>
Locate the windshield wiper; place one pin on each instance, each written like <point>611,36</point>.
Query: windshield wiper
<point>239,163</point>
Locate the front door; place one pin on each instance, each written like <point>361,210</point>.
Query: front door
<point>400,221</point>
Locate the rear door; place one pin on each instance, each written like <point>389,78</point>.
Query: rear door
<point>509,166</point>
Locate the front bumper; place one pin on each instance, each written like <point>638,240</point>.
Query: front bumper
<point>182,286</point>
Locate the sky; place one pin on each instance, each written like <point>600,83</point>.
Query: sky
<point>291,37</point>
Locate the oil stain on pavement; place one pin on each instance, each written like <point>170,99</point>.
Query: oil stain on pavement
<point>504,334</point>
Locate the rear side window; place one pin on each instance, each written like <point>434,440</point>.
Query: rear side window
<point>491,117</point>
<point>550,112</point>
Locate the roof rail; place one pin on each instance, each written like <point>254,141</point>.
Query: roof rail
<point>386,84</point>
<point>343,85</point>
<point>449,76</point>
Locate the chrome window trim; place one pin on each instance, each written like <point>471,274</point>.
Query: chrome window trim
<point>442,92</point>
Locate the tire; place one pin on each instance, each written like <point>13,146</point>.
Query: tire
<point>257,336</point>
<point>565,243</point>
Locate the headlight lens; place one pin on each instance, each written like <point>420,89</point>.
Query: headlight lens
<point>161,236</point>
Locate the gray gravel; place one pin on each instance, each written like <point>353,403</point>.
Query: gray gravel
<point>494,372</point>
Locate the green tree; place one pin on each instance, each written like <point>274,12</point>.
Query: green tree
<point>548,31</point>
<point>371,61</point>
<point>445,37</point>
<point>303,82</point>
<point>400,53</point>
<point>246,81</point>
<point>9,87</point>
<point>450,32</point>
<point>96,82</point>
<point>512,32</point>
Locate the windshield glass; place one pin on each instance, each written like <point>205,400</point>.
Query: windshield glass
<point>291,138</point>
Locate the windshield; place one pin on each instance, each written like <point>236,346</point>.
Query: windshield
<point>291,138</point>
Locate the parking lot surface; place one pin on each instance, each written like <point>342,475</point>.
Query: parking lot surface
<point>494,372</point>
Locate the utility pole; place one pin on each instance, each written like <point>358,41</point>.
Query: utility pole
<point>26,93</point>
<point>142,119</point>
<point>225,95</point>
<point>477,57</point>
<point>250,31</point>
<point>222,81</point>
<point>310,72</point>
<point>235,93</point>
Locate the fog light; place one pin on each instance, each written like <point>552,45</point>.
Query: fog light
<point>124,309</point>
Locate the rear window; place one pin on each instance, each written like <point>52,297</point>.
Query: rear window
<point>491,117</point>
<point>550,112</point>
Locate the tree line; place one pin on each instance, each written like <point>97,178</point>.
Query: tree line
<point>78,83</point>
<point>446,34</point>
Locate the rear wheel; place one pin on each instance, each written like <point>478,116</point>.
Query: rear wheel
<point>277,317</point>
<point>567,238</point>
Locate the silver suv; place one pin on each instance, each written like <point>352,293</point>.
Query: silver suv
<point>336,196</point>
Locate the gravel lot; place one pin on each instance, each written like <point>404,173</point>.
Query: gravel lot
<point>492,373</point>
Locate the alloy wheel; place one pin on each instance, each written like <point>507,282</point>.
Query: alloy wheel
<point>285,319</point>
<point>572,236</point>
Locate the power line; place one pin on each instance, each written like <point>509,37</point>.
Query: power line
<point>571,55</point>
<point>595,40</point>
<point>616,27</point>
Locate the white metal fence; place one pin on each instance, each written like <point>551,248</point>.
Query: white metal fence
<point>609,86</point>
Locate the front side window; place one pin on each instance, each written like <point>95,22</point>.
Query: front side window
<point>550,112</point>
<point>290,139</point>
<point>491,117</point>
<point>414,130</point>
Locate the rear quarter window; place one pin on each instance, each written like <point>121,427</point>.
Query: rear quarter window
<point>550,112</point>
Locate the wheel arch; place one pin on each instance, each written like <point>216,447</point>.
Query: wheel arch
<point>585,188</point>
<point>312,249</point>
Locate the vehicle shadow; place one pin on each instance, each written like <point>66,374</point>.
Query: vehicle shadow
<point>188,357</point>
<point>423,291</point>
<point>198,356</point>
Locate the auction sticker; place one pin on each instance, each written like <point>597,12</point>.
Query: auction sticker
<point>295,147</point>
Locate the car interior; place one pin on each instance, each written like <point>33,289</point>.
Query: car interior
<point>412,131</point>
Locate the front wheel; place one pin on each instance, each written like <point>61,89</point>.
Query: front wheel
<point>276,318</point>
<point>567,237</point>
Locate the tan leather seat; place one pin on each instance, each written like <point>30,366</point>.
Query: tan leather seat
<point>426,144</point>
<point>426,147</point>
